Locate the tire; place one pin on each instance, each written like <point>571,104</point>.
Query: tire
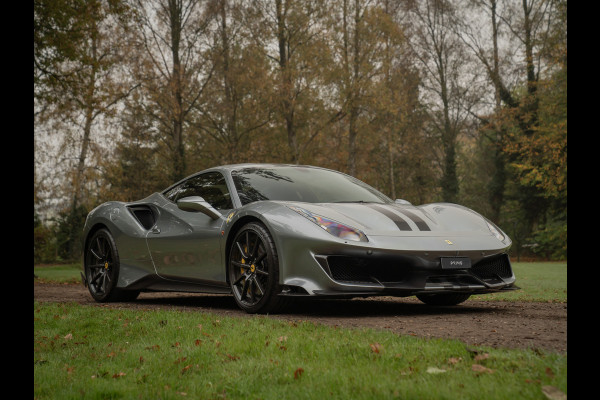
<point>253,269</point>
<point>101,264</point>
<point>449,299</point>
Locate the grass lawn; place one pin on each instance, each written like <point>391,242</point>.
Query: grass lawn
<point>59,273</point>
<point>105,353</point>
<point>539,281</point>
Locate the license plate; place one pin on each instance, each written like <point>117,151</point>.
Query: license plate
<point>456,262</point>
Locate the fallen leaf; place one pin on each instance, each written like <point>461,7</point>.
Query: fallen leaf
<point>176,344</point>
<point>282,338</point>
<point>199,326</point>
<point>232,358</point>
<point>553,393</point>
<point>198,342</point>
<point>454,360</point>
<point>483,356</point>
<point>375,347</point>
<point>185,368</point>
<point>69,336</point>
<point>434,370</point>
<point>111,354</point>
<point>120,374</point>
<point>298,373</point>
<point>481,368</point>
<point>549,373</point>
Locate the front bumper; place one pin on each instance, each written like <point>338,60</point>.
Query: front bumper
<point>351,272</point>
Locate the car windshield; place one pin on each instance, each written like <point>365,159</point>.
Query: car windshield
<point>311,185</point>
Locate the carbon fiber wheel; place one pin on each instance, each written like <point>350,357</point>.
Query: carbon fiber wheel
<point>102,269</point>
<point>254,270</point>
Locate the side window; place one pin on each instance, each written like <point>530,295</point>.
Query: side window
<point>210,186</point>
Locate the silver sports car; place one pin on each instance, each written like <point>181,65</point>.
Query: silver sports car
<point>269,232</point>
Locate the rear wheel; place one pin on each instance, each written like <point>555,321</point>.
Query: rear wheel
<point>254,270</point>
<point>102,269</point>
<point>443,299</point>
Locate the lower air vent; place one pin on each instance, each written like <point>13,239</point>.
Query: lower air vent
<point>361,270</point>
<point>493,268</point>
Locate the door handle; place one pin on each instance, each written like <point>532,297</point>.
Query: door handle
<point>155,230</point>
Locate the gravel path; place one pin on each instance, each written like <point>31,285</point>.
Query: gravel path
<point>475,322</point>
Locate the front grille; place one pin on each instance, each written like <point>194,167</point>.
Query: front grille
<point>362,270</point>
<point>493,267</point>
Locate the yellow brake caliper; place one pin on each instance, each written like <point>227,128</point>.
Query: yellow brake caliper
<point>244,261</point>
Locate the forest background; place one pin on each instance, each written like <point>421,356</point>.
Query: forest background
<point>461,101</point>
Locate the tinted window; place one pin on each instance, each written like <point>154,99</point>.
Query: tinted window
<point>306,184</point>
<point>210,186</point>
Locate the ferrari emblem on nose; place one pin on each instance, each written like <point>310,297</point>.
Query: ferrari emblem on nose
<point>449,242</point>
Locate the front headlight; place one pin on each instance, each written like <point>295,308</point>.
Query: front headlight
<point>495,231</point>
<point>335,228</point>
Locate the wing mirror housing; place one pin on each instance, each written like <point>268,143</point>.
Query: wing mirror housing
<point>198,204</point>
<point>403,202</point>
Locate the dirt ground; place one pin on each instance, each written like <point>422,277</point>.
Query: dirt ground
<point>475,322</point>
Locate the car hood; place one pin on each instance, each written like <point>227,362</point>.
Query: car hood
<point>392,219</point>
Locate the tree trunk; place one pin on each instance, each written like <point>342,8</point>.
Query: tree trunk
<point>354,110</point>
<point>179,166</point>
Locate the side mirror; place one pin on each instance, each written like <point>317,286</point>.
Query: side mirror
<point>403,202</point>
<point>197,203</point>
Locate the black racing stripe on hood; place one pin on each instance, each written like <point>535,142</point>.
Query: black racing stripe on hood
<point>400,223</point>
<point>422,225</point>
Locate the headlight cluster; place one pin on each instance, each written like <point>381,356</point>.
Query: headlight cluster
<point>333,227</point>
<point>496,232</point>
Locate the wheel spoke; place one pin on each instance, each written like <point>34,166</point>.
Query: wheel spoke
<point>239,264</point>
<point>260,258</point>
<point>99,247</point>
<point>104,282</point>
<point>242,252</point>
<point>246,284</point>
<point>97,265</point>
<point>260,271</point>
<point>94,254</point>
<point>257,283</point>
<point>255,248</point>
<point>251,290</point>
<point>95,278</point>
<point>238,280</point>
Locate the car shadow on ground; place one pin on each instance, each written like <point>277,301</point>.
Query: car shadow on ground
<point>340,308</point>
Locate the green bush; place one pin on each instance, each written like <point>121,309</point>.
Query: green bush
<point>44,243</point>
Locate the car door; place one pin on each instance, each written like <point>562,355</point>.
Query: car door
<point>186,245</point>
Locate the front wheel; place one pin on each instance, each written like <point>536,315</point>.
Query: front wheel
<point>254,270</point>
<point>102,269</point>
<point>443,299</point>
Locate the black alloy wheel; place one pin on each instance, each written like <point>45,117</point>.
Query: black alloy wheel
<point>254,270</point>
<point>102,269</point>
